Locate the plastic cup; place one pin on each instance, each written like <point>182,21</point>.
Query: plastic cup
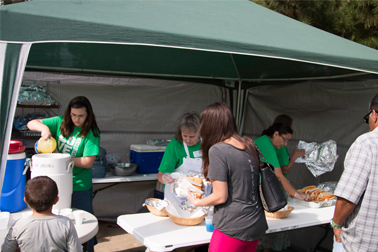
<point>4,219</point>
<point>79,216</point>
<point>209,223</point>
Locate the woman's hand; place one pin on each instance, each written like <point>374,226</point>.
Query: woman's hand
<point>302,196</point>
<point>46,134</point>
<point>298,153</point>
<point>167,178</point>
<point>191,198</point>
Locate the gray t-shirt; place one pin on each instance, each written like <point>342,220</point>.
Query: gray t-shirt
<point>42,233</point>
<point>242,215</point>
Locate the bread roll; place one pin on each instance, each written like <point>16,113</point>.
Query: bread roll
<point>309,188</point>
<point>195,180</point>
<point>325,196</point>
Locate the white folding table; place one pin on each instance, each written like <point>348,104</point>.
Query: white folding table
<point>135,177</point>
<point>162,234</point>
<point>86,231</point>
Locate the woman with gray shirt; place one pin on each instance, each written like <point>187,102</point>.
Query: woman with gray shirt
<point>230,162</point>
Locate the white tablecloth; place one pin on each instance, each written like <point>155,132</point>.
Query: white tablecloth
<point>85,231</point>
<point>162,234</point>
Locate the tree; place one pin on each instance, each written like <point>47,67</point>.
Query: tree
<point>356,20</point>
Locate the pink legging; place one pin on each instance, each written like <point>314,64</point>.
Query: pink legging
<point>222,243</point>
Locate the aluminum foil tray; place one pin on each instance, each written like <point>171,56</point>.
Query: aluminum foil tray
<point>312,204</point>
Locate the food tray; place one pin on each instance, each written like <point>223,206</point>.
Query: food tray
<point>312,204</point>
<point>280,214</point>
<point>185,217</point>
<point>186,221</point>
<point>155,211</point>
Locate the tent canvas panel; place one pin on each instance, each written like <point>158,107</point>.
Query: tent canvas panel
<point>321,111</point>
<point>161,61</point>
<point>129,110</point>
<point>232,27</point>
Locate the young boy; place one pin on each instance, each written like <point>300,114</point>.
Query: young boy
<point>42,231</point>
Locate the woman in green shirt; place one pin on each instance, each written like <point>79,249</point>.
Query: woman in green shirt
<point>182,154</point>
<point>276,137</point>
<point>286,162</point>
<point>77,134</point>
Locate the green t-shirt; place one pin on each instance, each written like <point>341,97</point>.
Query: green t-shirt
<point>283,156</point>
<point>77,147</point>
<point>174,153</point>
<point>267,149</point>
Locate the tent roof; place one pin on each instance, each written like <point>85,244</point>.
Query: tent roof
<point>196,39</point>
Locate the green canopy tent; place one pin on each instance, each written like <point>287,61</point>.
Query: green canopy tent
<point>211,41</point>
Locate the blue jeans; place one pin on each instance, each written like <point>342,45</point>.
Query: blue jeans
<point>337,247</point>
<point>83,200</point>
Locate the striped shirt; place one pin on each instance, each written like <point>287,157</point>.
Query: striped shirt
<point>359,184</point>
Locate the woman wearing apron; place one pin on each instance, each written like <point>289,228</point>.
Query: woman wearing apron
<point>182,154</point>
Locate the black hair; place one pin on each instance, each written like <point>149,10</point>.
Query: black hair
<point>280,127</point>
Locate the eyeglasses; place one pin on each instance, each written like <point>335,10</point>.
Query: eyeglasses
<point>366,118</point>
<point>78,116</point>
<point>285,140</point>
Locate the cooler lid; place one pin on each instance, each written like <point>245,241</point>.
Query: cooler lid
<point>16,147</point>
<point>146,147</point>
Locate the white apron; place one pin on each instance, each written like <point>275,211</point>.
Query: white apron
<point>188,164</point>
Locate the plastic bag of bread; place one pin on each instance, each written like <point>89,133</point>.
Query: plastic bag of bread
<point>196,182</point>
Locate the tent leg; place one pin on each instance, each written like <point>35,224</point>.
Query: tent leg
<point>238,105</point>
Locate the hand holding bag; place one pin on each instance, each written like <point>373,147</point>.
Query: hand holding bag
<point>270,188</point>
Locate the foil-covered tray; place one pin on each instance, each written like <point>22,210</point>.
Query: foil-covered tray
<point>312,204</point>
<point>328,186</point>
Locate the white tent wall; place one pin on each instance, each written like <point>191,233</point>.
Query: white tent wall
<point>321,111</point>
<point>128,111</point>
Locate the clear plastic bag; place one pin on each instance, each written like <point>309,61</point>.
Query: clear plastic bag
<point>178,188</point>
<point>34,95</point>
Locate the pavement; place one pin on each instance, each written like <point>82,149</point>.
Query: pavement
<point>112,238</point>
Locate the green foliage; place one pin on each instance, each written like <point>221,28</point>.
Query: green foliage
<point>356,20</point>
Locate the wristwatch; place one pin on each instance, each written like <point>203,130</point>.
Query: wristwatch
<point>334,225</point>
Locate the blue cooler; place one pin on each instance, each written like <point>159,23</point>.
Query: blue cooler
<point>12,194</point>
<point>147,157</point>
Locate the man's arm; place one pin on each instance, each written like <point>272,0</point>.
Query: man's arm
<point>342,210</point>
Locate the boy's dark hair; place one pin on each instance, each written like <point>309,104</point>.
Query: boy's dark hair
<point>41,193</point>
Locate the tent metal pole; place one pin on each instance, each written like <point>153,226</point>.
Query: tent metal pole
<point>243,112</point>
<point>238,105</point>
